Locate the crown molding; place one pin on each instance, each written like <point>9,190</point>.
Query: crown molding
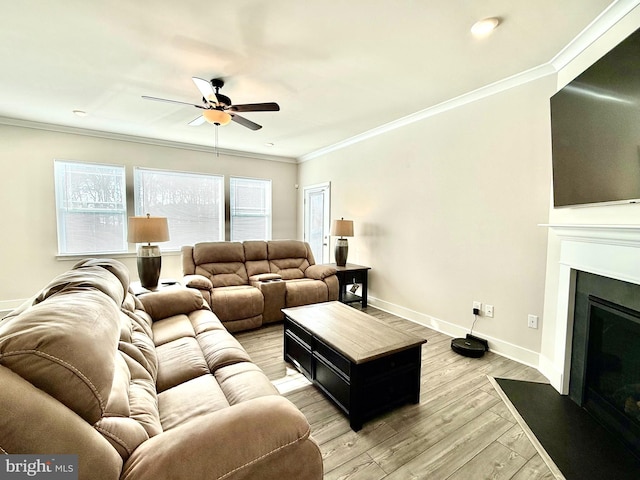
<point>464,99</point>
<point>50,127</point>
<point>601,24</point>
<point>592,32</point>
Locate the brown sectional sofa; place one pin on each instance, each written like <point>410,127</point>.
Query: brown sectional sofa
<point>247,284</point>
<point>141,388</point>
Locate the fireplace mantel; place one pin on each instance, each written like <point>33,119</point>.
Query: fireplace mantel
<point>626,235</point>
<point>608,250</point>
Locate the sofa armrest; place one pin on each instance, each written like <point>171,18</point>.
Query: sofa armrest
<point>172,301</point>
<point>197,281</point>
<point>266,438</point>
<point>319,272</point>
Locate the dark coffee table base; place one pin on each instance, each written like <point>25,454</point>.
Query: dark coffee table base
<point>361,390</point>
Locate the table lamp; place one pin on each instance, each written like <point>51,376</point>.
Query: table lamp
<point>342,228</point>
<point>146,230</point>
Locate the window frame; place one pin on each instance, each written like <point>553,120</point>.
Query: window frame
<point>61,191</point>
<point>269,208</point>
<point>141,209</point>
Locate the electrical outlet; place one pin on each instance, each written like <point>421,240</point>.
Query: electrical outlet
<point>488,310</point>
<point>532,321</point>
<point>477,305</point>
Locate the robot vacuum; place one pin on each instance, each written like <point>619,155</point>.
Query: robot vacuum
<point>469,346</point>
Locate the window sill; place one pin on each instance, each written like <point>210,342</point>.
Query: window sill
<point>79,256</point>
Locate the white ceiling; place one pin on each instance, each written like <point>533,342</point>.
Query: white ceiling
<point>337,68</point>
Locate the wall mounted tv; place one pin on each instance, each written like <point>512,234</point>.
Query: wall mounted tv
<point>595,128</point>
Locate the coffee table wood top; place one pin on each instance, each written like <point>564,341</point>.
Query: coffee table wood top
<point>355,334</point>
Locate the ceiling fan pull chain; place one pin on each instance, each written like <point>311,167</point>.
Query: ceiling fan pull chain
<point>216,142</point>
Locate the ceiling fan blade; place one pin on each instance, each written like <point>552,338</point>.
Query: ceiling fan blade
<point>245,122</point>
<point>256,107</point>
<point>205,88</point>
<point>166,100</point>
<point>197,121</point>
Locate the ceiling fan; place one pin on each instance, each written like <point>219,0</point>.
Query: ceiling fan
<point>218,108</point>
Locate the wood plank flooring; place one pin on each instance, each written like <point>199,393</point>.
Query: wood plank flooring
<point>460,430</point>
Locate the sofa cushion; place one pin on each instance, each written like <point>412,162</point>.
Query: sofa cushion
<point>172,328</point>
<point>65,346</point>
<point>76,343</point>
<point>204,321</point>
<point>244,381</point>
<point>52,428</point>
<point>256,261</point>
<point>189,400</point>
<point>306,291</point>
<point>221,262</point>
<point>244,324</point>
<point>221,349</point>
<point>288,258</point>
<point>179,361</point>
<point>236,303</point>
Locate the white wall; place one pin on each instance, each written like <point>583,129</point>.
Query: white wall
<point>606,215</point>
<point>446,212</point>
<point>28,244</point>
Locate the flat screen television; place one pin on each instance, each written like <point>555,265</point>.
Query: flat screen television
<point>595,129</point>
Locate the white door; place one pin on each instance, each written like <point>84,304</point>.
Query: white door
<point>317,221</point>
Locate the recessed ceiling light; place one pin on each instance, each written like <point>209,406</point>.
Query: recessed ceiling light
<point>269,144</point>
<point>485,27</point>
<point>80,113</point>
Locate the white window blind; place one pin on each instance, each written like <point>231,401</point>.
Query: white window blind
<point>250,209</point>
<point>90,207</point>
<point>192,202</point>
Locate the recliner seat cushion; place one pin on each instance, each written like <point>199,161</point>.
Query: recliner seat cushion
<point>236,303</point>
<point>306,291</point>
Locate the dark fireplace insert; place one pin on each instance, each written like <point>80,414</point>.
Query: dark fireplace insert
<point>605,367</point>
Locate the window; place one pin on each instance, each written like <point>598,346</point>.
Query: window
<point>91,207</point>
<point>250,209</point>
<point>193,204</point>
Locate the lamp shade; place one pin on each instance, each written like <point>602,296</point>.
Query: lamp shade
<point>148,229</point>
<point>215,116</point>
<point>342,228</point>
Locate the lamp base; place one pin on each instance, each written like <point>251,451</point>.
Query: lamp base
<point>341,252</point>
<point>149,265</point>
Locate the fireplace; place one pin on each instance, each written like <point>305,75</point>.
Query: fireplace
<point>604,251</point>
<point>605,354</point>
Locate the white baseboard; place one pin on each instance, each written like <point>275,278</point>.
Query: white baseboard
<point>505,349</point>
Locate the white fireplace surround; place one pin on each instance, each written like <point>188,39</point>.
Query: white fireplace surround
<point>607,250</point>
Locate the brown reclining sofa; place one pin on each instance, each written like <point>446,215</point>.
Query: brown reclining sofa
<point>248,283</point>
<point>147,388</point>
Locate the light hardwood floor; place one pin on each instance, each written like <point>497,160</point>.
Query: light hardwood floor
<point>460,430</point>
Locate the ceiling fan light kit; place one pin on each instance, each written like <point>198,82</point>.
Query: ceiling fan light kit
<point>215,106</point>
<point>217,117</point>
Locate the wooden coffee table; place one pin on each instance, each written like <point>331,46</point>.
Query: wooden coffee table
<point>364,365</point>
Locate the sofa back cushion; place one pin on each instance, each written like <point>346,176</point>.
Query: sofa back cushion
<point>64,344</point>
<point>82,341</point>
<point>255,253</point>
<point>221,262</point>
<point>288,258</point>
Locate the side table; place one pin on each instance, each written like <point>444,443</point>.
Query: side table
<point>138,289</point>
<point>352,274</point>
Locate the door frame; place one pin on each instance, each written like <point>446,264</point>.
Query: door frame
<point>326,186</point>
